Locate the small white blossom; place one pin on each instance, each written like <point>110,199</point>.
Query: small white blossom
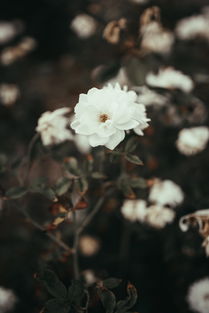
<point>89,245</point>
<point>139,1</point>
<point>7,300</point>
<point>169,78</point>
<point>8,30</point>
<point>134,210</point>
<point>198,296</point>
<point>159,216</point>
<point>52,126</point>
<point>103,115</point>
<point>192,140</point>
<point>9,94</point>
<point>166,192</point>
<point>192,27</point>
<point>83,25</point>
<point>89,277</point>
<point>150,97</point>
<point>155,38</point>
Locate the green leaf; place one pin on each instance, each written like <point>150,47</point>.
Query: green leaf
<point>124,305</point>
<point>82,185</point>
<point>57,306</point>
<point>108,299</point>
<point>124,185</point>
<point>71,165</point>
<point>131,144</point>
<point>98,175</point>
<point>53,285</point>
<point>62,186</point>
<point>132,158</point>
<point>138,182</point>
<point>3,162</point>
<point>16,192</point>
<point>48,193</point>
<point>76,292</point>
<point>111,283</point>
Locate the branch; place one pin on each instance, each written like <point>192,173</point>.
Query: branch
<point>58,241</point>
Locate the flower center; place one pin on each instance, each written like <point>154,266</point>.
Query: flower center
<point>103,118</point>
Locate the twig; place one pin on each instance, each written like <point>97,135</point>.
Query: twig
<point>79,230</point>
<point>28,156</point>
<point>89,217</point>
<point>58,241</point>
<point>75,250</point>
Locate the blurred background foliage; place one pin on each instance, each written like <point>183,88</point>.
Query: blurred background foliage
<point>161,264</point>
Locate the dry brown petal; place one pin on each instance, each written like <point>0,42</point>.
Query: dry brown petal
<point>113,29</point>
<point>150,15</point>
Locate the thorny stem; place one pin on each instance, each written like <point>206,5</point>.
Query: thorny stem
<point>81,227</point>
<point>89,217</point>
<point>58,241</point>
<point>75,249</point>
<point>27,158</point>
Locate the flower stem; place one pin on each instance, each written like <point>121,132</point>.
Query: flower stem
<point>75,249</point>
<point>58,241</point>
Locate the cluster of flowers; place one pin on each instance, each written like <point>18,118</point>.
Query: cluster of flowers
<point>102,115</point>
<point>164,195</point>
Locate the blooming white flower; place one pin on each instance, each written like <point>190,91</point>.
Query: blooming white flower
<point>159,216</point>
<point>155,38</point>
<point>52,126</point>
<point>166,192</point>
<point>105,114</point>
<point>198,296</point>
<point>134,210</point>
<point>192,27</point>
<point>169,78</point>
<point>192,140</point>
<point>83,25</point>
<point>7,300</point>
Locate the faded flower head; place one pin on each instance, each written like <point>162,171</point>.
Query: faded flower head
<point>7,300</point>
<point>192,27</point>
<point>192,140</point>
<point>134,210</point>
<point>9,93</point>
<point>52,126</point>
<point>159,216</point>
<point>166,192</point>
<point>156,39</point>
<point>8,30</point>
<point>150,97</point>
<point>169,78</point>
<point>198,296</point>
<point>89,245</point>
<point>201,220</point>
<point>83,25</point>
<point>103,115</point>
